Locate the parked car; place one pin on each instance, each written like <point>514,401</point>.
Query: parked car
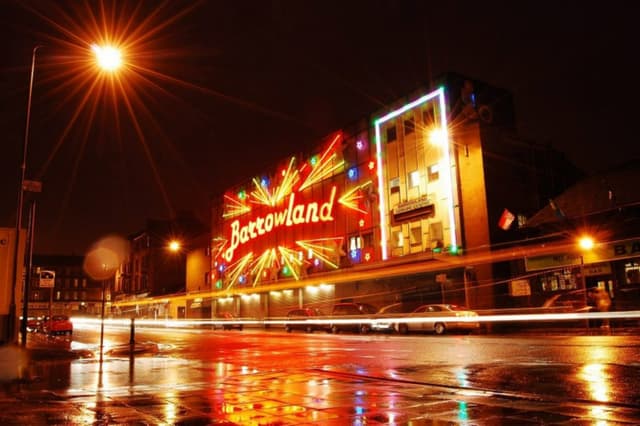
<point>34,324</point>
<point>351,311</point>
<point>570,301</point>
<point>434,318</point>
<point>297,315</point>
<point>228,321</point>
<point>385,321</point>
<point>57,325</point>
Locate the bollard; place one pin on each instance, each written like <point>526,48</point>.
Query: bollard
<point>132,336</point>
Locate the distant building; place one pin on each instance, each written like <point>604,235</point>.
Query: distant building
<point>74,292</point>
<point>198,277</point>
<point>154,268</point>
<point>606,208</point>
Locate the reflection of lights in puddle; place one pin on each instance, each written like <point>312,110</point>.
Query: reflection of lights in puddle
<point>598,412</point>
<point>462,376</point>
<point>463,414</point>
<point>246,370</point>
<point>597,380</point>
<point>471,392</point>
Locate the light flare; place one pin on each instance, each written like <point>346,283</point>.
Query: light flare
<point>109,58</point>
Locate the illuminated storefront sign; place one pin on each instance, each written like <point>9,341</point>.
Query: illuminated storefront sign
<point>293,214</point>
<point>293,222</point>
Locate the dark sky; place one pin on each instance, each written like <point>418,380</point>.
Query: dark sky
<point>221,91</point>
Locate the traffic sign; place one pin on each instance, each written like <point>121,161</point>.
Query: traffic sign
<point>47,279</point>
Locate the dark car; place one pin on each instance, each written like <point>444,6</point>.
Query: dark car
<point>350,313</point>
<point>299,317</point>
<point>227,321</point>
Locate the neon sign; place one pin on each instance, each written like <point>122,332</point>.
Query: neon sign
<point>293,214</point>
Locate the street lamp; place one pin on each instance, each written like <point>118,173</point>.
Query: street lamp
<point>174,246</point>
<point>108,58</point>
<point>11,332</point>
<point>586,244</point>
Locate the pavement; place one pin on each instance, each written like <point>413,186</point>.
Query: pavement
<point>235,395</point>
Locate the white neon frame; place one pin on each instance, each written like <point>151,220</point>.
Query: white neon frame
<point>440,93</point>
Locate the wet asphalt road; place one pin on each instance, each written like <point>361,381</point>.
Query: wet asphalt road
<point>274,378</point>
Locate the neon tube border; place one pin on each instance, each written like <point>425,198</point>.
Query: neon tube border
<point>440,93</point>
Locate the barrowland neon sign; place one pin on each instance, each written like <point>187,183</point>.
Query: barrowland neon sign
<point>293,214</point>
<point>280,208</point>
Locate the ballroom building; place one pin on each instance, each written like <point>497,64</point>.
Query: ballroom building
<point>405,204</point>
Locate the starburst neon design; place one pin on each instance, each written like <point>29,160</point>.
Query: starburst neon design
<point>290,258</point>
<point>325,165</point>
<point>350,198</point>
<point>261,194</point>
<point>321,250</point>
<point>236,269</point>
<point>234,208</point>
<point>289,179</point>
<point>217,247</point>
<point>264,261</point>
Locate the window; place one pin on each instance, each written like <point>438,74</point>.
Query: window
<point>84,283</point>
<point>409,126</point>
<point>398,239</point>
<point>414,178</point>
<point>415,235</point>
<point>75,283</point>
<point>434,172</point>
<point>565,279</point>
<point>436,234</point>
<point>394,185</point>
<point>428,117</point>
<point>355,243</point>
<point>632,273</point>
<point>391,133</point>
<point>367,239</point>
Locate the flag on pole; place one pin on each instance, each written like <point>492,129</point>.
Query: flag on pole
<point>556,209</point>
<point>506,219</point>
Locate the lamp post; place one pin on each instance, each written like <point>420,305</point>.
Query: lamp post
<point>109,59</point>
<point>11,332</point>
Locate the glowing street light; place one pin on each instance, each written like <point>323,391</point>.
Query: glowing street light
<point>586,243</point>
<point>108,58</point>
<point>174,246</point>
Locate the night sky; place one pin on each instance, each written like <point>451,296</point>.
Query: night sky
<point>217,92</point>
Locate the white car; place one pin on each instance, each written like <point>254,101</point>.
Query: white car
<point>438,318</point>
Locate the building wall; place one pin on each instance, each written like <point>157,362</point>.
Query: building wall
<point>198,270</point>
<point>7,251</point>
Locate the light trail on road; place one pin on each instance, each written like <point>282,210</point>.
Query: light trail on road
<point>179,323</point>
